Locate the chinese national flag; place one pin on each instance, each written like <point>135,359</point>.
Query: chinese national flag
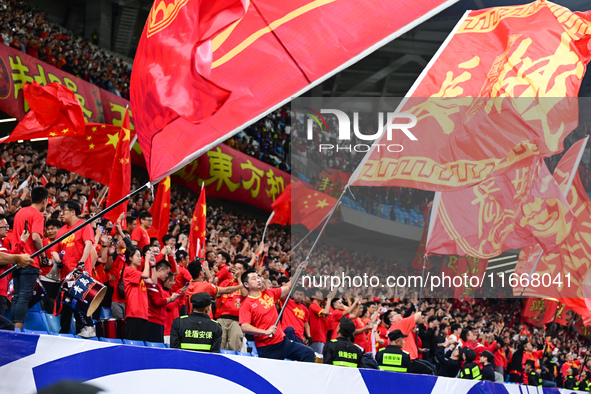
<point>86,154</point>
<point>120,183</point>
<point>502,89</point>
<point>161,210</point>
<point>308,206</point>
<point>509,211</point>
<point>275,50</point>
<point>198,226</point>
<point>282,208</point>
<point>564,274</point>
<point>55,110</point>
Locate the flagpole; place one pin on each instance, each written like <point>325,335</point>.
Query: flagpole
<point>267,225</point>
<point>80,226</point>
<point>299,271</point>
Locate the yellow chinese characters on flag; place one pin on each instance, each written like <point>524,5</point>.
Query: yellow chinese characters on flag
<point>502,89</point>
<point>520,208</point>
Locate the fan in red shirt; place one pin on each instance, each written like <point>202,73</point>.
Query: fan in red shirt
<point>407,325</point>
<point>223,270</point>
<point>136,294</point>
<point>361,328</point>
<point>172,308</point>
<point>139,235</point>
<point>157,301</point>
<point>295,320</point>
<point>258,317</point>
<point>181,280</point>
<point>337,311</point>
<point>25,278</point>
<point>76,249</point>
<point>318,321</point>
<point>18,248</point>
<point>229,308</point>
<point>198,285</point>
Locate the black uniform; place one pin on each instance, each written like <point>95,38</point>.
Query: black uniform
<point>488,373</point>
<point>470,371</point>
<point>570,382</point>
<point>196,332</point>
<point>393,358</point>
<point>534,379</point>
<point>342,352</point>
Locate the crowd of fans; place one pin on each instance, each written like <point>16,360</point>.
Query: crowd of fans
<point>446,327</point>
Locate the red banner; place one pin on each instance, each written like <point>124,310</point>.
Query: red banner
<point>464,265</point>
<point>18,68</point>
<point>231,175</point>
<point>332,182</point>
<point>278,49</point>
<point>503,88</point>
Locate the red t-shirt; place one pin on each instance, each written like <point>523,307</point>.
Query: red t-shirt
<point>35,223</point>
<point>333,321</point>
<point>223,274</point>
<point>181,280</point>
<point>172,311</point>
<point>261,313</point>
<point>229,304</point>
<point>383,333</point>
<point>73,247</point>
<point>361,338</point>
<point>116,269</point>
<point>136,294</point>
<point>317,323</point>
<point>200,287</point>
<point>295,315</point>
<point>156,304</point>
<point>141,236</point>
<point>406,325</point>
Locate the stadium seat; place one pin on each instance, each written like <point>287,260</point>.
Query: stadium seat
<point>38,332</point>
<point>90,339</point>
<point>112,340</point>
<point>155,344</point>
<point>65,335</point>
<point>106,313</point>
<point>52,323</point>
<point>35,308</point>
<point>34,322</point>
<point>133,342</point>
<point>244,354</point>
<point>224,351</point>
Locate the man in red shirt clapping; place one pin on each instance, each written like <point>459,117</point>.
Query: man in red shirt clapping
<point>258,316</point>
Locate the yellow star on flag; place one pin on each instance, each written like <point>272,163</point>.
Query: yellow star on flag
<point>52,134</point>
<point>103,126</point>
<point>165,205</point>
<point>88,138</point>
<point>194,217</point>
<point>196,228</point>
<point>204,209</point>
<point>113,140</point>
<point>121,161</point>
<point>322,203</point>
<point>91,146</point>
<point>127,135</point>
<point>94,129</point>
<point>166,183</point>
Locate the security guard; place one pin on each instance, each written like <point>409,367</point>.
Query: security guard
<point>392,357</point>
<point>533,378</point>
<point>197,331</point>
<point>341,351</point>
<point>470,370</point>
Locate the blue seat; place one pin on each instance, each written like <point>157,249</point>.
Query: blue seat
<point>90,339</point>
<point>35,308</point>
<point>39,332</point>
<point>34,322</point>
<point>155,344</point>
<point>243,354</point>
<point>133,342</point>
<point>251,347</point>
<point>112,340</point>
<point>106,313</point>
<point>52,323</point>
<point>224,351</point>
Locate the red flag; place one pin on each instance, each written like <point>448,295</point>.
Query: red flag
<point>282,208</point>
<point>309,207</point>
<point>55,110</point>
<point>502,89</point>
<point>87,154</point>
<point>510,211</point>
<point>263,59</point>
<point>43,180</point>
<point>120,183</point>
<point>458,266</point>
<point>88,204</point>
<point>161,210</point>
<point>198,226</point>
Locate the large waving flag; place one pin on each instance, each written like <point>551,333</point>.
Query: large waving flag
<point>86,154</point>
<point>501,89</point>
<point>563,274</point>
<point>55,111</point>
<point>161,210</point>
<point>522,207</point>
<point>276,50</point>
<point>120,183</point>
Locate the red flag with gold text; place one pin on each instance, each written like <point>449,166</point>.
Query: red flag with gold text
<point>502,89</point>
<point>458,266</point>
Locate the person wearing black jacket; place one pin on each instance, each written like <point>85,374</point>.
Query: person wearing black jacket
<point>571,378</point>
<point>470,370</point>
<point>515,366</point>
<point>197,331</point>
<point>341,351</point>
<point>488,369</point>
<point>449,364</point>
<point>533,377</point>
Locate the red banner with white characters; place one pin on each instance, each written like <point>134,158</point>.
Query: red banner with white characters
<point>18,68</point>
<point>231,175</point>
